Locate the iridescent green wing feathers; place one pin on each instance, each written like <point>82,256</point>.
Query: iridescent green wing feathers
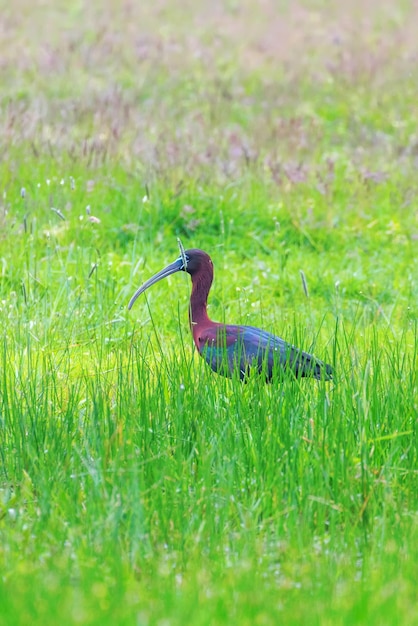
<point>239,348</point>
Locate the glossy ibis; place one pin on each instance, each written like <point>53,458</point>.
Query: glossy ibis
<point>228,348</point>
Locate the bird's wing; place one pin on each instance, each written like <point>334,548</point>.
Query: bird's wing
<point>272,351</point>
<point>228,348</point>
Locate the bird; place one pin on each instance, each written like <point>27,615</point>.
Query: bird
<point>234,348</point>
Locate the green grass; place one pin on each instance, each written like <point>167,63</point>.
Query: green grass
<point>137,487</point>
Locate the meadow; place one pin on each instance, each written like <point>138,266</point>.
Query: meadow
<point>136,486</point>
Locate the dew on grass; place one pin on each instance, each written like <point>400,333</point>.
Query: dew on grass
<point>12,513</point>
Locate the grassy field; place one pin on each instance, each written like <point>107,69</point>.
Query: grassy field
<point>136,486</point>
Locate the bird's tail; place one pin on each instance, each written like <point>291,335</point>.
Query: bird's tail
<point>308,365</point>
<point>322,371</point>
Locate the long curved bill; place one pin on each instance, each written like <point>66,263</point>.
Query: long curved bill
<point>177,266</point>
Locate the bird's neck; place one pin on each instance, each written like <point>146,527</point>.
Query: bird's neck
<point>198,316</point>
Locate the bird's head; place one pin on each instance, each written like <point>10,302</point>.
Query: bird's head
<point>195,260</point>
<point>191,261</point>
